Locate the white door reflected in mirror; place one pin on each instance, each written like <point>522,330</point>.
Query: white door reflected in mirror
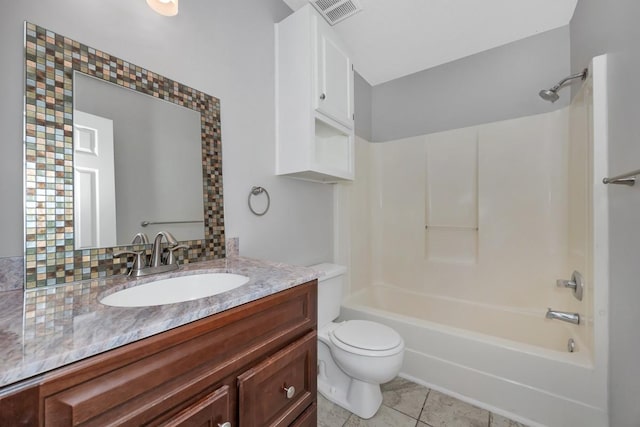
<point>94,178</point>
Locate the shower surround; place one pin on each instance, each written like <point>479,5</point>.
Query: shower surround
<point>456,239</point>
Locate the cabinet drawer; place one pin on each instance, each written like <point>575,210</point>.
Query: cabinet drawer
<point>262,395</point>
<point>212,410</point>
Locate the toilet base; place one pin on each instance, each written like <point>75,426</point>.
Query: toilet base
<point>360,398</point>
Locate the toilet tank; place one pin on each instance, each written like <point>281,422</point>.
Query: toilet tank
<point>330,284</point>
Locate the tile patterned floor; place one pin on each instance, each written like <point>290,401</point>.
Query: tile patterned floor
<point>406,404</point>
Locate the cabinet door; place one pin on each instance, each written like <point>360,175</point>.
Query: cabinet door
<point>309,418</point>
<point>278,390</point>
<point>211,411</point>
<point>334,95</point>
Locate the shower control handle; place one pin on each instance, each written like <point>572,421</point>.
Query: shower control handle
<point>566,284</point>
<point>576,284</point>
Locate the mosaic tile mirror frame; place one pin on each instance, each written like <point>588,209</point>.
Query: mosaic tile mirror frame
<point>50,63</point>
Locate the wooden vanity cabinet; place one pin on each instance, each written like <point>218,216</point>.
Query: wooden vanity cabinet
<point>232,367</point>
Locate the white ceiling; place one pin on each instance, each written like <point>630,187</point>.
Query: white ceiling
<point>393,38</point>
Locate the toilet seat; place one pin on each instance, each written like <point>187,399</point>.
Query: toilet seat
<point>366,338</point>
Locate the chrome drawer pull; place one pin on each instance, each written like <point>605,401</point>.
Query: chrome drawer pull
<point>290,391</point>
<point>227,424</point>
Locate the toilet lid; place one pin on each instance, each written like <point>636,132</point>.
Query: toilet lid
<point>367,335</point>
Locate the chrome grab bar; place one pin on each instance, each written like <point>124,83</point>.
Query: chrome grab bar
<point>451,227</point>
<point>145,223</point>
<point>628,178</point>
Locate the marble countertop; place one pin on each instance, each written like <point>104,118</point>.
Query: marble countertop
<point>45,329</point>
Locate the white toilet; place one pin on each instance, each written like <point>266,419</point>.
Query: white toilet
<point>356,356</point>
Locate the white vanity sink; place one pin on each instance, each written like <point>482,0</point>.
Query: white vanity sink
<point>175,289</point>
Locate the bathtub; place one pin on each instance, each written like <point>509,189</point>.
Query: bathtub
<point>509,361</point>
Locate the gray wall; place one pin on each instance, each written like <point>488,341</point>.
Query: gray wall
<point>362,107</point>
<point>224,48</point>
<point>497,84</point>
<point>612,27</point>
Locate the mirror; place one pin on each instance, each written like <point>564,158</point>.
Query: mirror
<point>136,166</point>
<point>52,65</point>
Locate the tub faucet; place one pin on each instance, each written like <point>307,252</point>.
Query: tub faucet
<point>564,316</point>
<point>156,252</point>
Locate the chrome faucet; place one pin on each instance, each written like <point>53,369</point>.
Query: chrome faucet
<point>564,316</point>
<point>140,266</point>
<point>156,252</point>
<point>140,238</point>
<point>171,257</point>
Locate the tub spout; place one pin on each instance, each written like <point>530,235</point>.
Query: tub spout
<point>564,316</point>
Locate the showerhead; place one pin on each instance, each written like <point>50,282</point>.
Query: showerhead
<point>549,95</point>
<point>552,94</point>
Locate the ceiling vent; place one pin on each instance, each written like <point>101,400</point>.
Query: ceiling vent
<point>334,11</point>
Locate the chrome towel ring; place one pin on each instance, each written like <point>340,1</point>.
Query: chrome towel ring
<point>256,191</point>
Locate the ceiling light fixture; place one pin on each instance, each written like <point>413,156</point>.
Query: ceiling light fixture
<point>164,7</point>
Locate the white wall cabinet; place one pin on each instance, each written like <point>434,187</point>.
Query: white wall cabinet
<point>314,100</point>
<point>334,81</point>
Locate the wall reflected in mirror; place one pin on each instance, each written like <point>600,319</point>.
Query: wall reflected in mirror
<point>137,166</point>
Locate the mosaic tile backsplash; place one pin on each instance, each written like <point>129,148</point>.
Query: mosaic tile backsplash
<point>50,62</point>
